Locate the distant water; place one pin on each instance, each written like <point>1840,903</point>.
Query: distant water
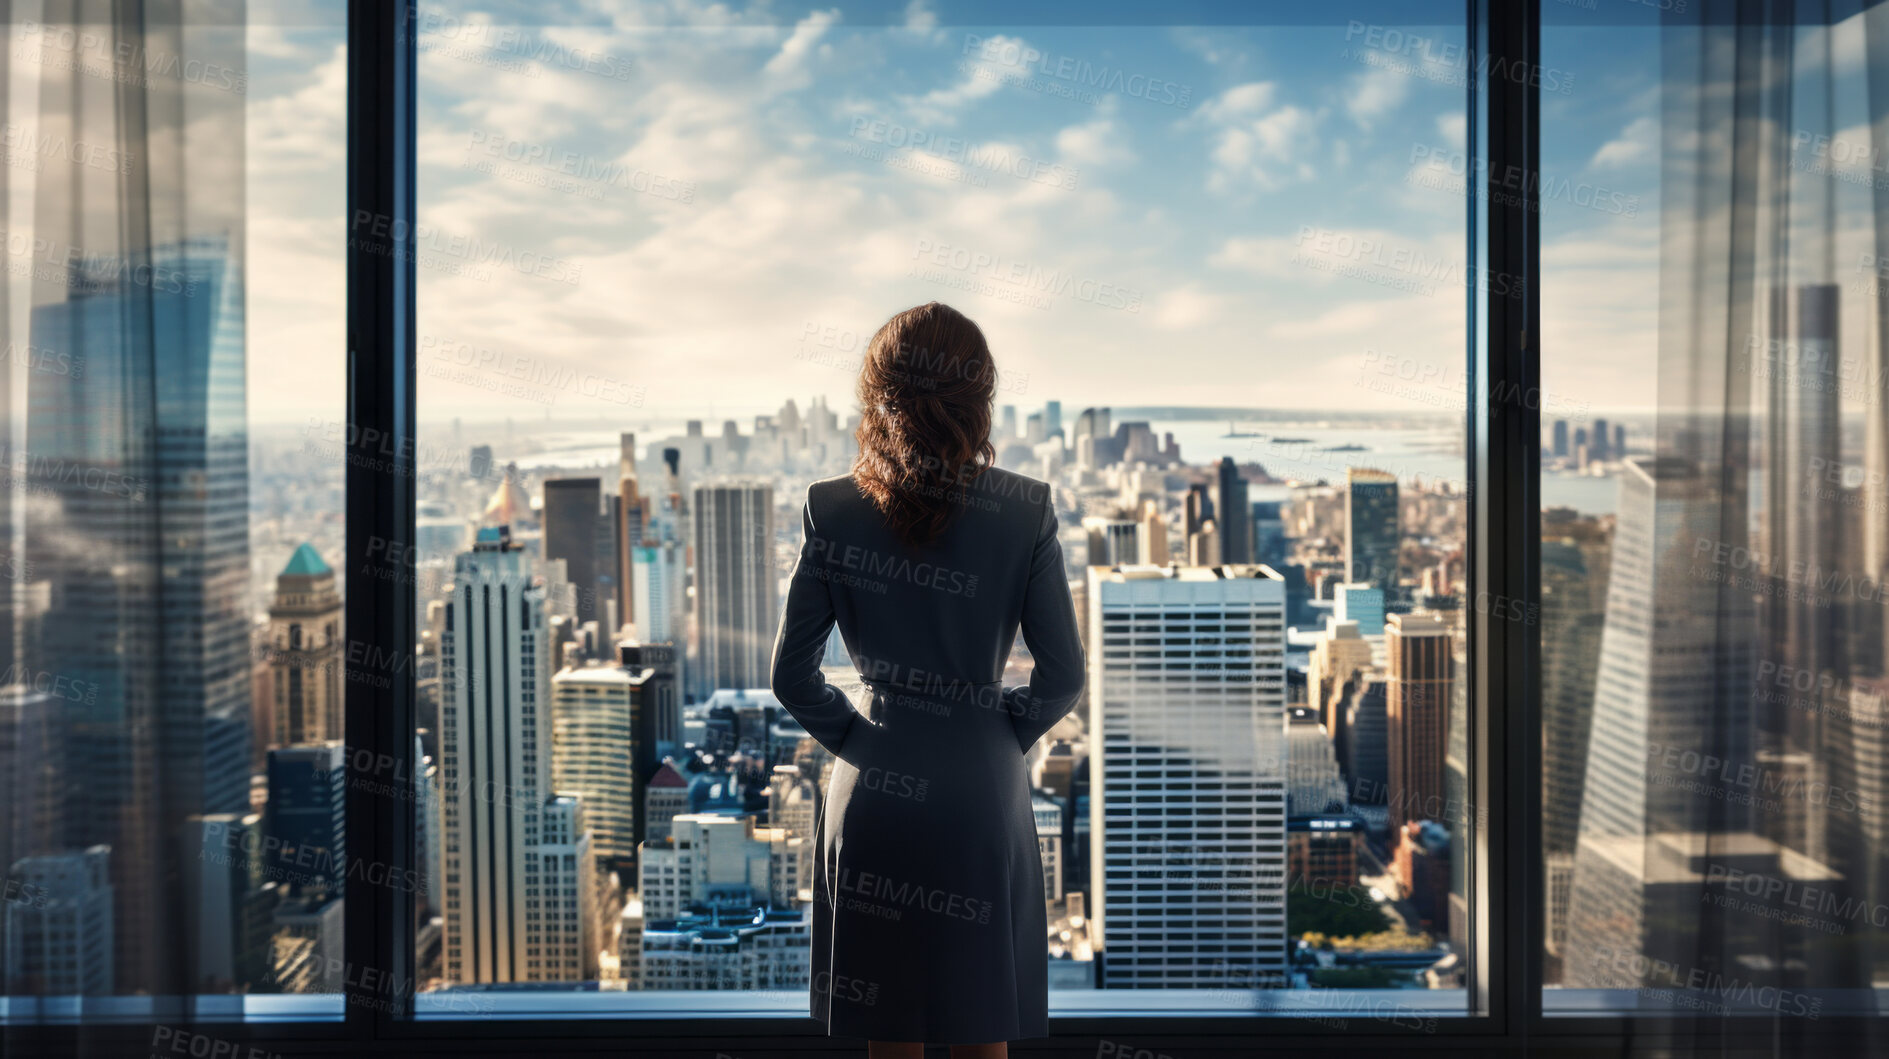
<point>1303,453</point>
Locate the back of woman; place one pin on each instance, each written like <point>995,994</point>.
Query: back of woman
<point>929,919</point>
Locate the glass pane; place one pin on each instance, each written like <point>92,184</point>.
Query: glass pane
<point>1222,271</point>
<point>170,749</point>
<point>1712,476</point>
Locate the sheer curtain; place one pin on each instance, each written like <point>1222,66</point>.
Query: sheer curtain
<point>1729,866</point>
<point>125,737</point>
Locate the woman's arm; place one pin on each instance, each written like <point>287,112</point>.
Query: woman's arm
<point>822,709</point>
<point>1049,631</point>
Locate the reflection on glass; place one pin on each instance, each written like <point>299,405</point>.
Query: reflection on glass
<point>170,764</point>
<point>1712,624</point>
<point>1221,272</point>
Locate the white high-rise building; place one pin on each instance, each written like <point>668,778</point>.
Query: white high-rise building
<point>1187,769</point>
<point>737,588</point>
<point>563,938</point>
<point>659,591</point>
<point>594,734</point>
<point>507,914</point>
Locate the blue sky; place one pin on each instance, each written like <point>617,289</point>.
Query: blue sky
<point>652,211</point>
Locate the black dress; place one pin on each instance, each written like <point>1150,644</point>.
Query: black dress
<point>929,921</point>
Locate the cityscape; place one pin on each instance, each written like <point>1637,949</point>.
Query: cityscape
<point>608,796</point>
<point>1265,798</point>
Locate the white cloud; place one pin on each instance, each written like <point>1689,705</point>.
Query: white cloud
<point>1374,94</point>
<point>788,67</point>
<point>1454,128</point>
<point>1636,143</point>
<point>1099,142</point>
<point>920,18</point>
<point>1254,143</point>
<point>980,78</point>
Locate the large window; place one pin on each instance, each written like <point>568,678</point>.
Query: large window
<point>1492,394</point>
<point>1222,269</point>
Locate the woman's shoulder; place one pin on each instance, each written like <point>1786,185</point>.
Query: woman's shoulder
<point>830,496</point>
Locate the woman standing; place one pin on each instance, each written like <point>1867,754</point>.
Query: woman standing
<point>929,919</point>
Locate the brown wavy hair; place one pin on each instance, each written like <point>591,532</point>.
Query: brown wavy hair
<point>925,390</point>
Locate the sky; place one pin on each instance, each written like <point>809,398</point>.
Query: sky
<point>651,212</point>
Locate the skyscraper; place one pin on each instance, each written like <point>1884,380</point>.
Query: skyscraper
<point>307,788</point>
<point>659,583</point>
<point>736,588</point>
<point>572,508</point>
<point>1560,438</point>
<point>305,651</point>
<point>1338,652</point>
<point>143,530</point>
<point>34,772</point>
<point>1417,696</point>
<point>661,717</point>
<point>1572,589</point>
<point>1674,673</point>
<point>1372,528</point>
<point>58,926</point>
<point>1187,773</point>
<point>496,740</point>
<point>1234,514</point>
<point>233,896</point>
<point>1113,541</point>
<point>561,928</point>
<point>1269,534</point>
<point>595,734</point>
<point>629,529</point>
<point>1361,605</point>
<point>1151,544</point>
